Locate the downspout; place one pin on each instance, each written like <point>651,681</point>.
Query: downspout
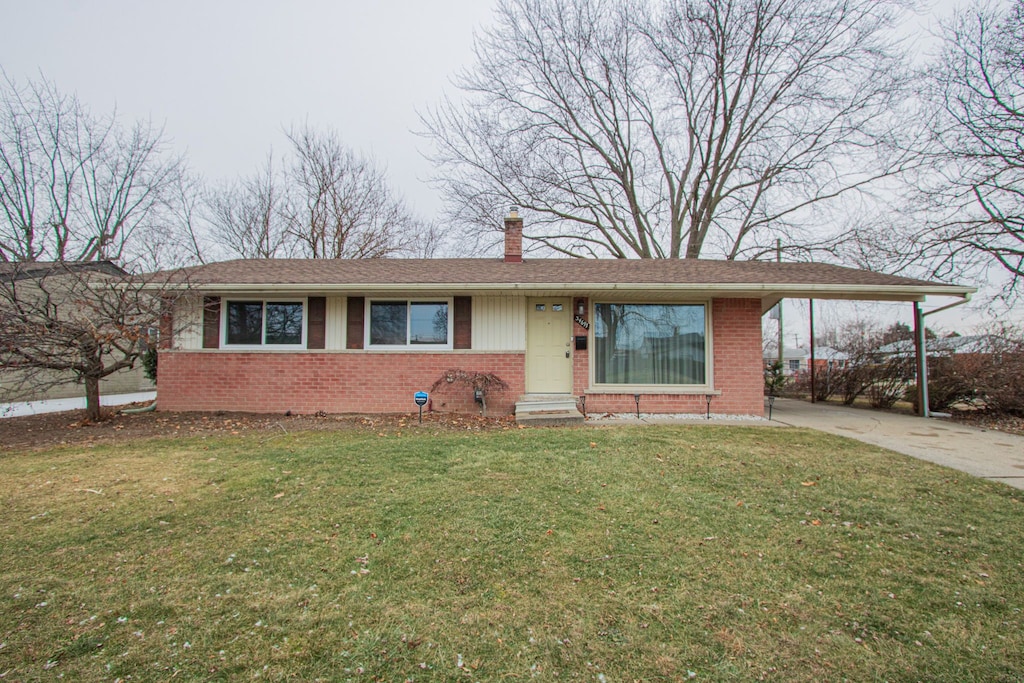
<point>922,352</point>
<point>144,409</point>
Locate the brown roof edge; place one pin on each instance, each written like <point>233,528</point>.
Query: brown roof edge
<point>759,278</point>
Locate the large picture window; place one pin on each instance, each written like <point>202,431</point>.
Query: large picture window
<point>263,323</point>
<point>409,323</point>
<point>650,344</point>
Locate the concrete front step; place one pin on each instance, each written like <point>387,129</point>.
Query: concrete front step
<point>553,418</point>
<point>530,403</point>
<point>549,410</point>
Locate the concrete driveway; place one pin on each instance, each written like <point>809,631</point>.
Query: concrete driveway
<point>984,453</point>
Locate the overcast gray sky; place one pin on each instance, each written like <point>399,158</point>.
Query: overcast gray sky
<point>225,77</point>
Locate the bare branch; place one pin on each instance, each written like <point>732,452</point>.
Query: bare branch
<point>671,129</point>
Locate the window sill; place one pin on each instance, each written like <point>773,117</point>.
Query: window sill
<point>262,347</point>
<point>653,389</point>
<point>409,349</point>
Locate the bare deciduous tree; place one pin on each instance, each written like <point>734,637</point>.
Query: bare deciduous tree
<point>74,322</point>
<point>246,216</point>
<point>973,201</point>
<point>75,186</point>
<point>671,129</point>
<point>81,199</point>
<point>324,201</point>
<point>341,204</point>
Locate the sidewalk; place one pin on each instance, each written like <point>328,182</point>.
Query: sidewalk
<point>57,405</point>
<point>984,453</point>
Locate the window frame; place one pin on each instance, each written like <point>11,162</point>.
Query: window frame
<point>224,321</point>
<point>610,388</point>
<point>409,301</point>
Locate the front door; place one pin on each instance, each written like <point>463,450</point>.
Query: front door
<point>548,346</point>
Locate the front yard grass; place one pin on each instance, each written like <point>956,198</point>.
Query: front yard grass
<point>658,553</point>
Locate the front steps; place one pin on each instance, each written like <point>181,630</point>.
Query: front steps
<point>547,410</point>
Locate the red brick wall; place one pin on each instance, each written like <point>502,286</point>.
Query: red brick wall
<point>739,372</point>
<point>333,382</point>
<point>368,382</point>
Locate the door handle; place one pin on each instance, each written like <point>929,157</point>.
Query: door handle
<point>567,353</point>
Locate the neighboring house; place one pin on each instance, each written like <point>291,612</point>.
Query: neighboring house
<point>362,336</point>
<point>978,344</point>
<point>22,281</point>
<point>798,360</point>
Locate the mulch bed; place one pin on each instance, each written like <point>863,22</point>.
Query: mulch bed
<point>71,428</point>
<point>981,420</point>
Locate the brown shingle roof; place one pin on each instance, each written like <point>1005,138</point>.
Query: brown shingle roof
<point>22,270</point>
<point>537,273</point>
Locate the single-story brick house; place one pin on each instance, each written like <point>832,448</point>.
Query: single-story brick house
<point>361,336</point>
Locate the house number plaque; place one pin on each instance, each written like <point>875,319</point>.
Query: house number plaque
<point>582,322</point>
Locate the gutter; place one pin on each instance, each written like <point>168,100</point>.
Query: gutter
<point>819,291</point>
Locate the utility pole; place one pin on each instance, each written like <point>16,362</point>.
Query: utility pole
<point>778,259</point>
<point>812,349</point>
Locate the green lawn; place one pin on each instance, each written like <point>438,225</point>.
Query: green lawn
<point>657,553</point>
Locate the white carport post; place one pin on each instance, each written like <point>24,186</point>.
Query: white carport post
<point>922,361</point>
<point>922,351</point>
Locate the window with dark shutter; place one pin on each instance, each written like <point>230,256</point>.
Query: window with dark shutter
<point>463,333</point>
<point>316,335</point>
<point>211,322</point>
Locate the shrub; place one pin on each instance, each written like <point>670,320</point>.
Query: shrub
<point>149,364</point>
<point>774,379</point>
<point>482,382</point>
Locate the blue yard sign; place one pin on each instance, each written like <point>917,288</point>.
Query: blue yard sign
<point>421,400</point>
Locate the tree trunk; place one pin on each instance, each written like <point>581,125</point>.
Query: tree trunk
<point>92,399</point>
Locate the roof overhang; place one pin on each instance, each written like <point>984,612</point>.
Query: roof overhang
<point>769,293</point>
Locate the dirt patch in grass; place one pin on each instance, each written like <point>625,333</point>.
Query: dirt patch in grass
<point>71,428</point>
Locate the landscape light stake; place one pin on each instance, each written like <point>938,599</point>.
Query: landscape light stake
<point>583,404</point>
<point>636,397</point>
<point>771,402</point>
<point>708,397</point>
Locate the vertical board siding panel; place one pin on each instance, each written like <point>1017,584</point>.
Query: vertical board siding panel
<point>499,323</point>
<point>481,322</point>
<point>335,325</point>
<point>188,323</point>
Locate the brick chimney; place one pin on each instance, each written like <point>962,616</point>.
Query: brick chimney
<point>513,237</point>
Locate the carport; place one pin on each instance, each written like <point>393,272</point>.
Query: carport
<point>915,294</point>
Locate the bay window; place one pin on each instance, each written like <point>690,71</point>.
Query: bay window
<point>650,344</point>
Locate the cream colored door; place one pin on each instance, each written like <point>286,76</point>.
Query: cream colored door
<point>548,346</point>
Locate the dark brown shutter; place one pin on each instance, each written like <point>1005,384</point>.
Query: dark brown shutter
<point>463,323</point>
<point>316,319</point>
<point>211,322</point>
<point>356,312</point>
